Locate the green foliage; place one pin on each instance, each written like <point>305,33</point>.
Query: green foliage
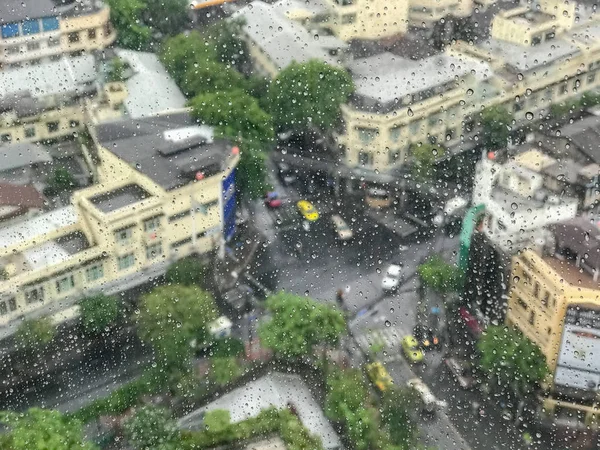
<point>424,156</point>
<point>116,70</point>
<point>183,51</point>
<point>251,172</point>
<point>346,391</point>
<point>258,87</point>
<point>235,114</point>
<point>151,428</point>
<point>226,347</point>
<point>170,317</point>
<point>225,38</point>
<point>309,95</point>
<point>224,370</point>
<point>395,415</point>
<point>167,17</point>
<point>188,271</point>
<point>362,427</point>
<point>99,313</point>
<point>40,429</point>
<point>575,106</point>
<point>34,335</point>
<point>211,77</point>
<point>496,125</point>
<point>300,323</point>
<point>217,420</point>
<point>438,274</point>
<point>131,32</point>
<point>60,180</point>
<point>513,359</point>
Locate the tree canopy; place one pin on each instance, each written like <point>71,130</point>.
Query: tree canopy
<point>152,428</point>
<point>395,415</point>
<point>496,124</point>
<point>35,334</point>
<point>298,324</point>
<point>170,317</point>
<point>211,77</point>
<point>98,313</point>
<point>188,271</point>
<point>438,274</point>
<point>309,95</point>
<point>223,370</point>
<point>42,429</point>
<point>424,156</point>
<point>513,359</point>
<point>183,51</point>
<point>346,391</point>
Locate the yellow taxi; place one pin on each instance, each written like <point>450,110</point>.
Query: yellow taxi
<point>379,376</point>
<point>411,350</point>
<point>307,210</point>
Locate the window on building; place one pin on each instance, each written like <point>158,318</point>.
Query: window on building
<point>546,298</point>
<point>393,156</point>
<point>536,290</point>
<point>591,77</point>
<point>344,2</point>
<point>564,89</point>
<point>126,261</point>
<point>522,303</point>
<point>50,24</point>
<point>65,284</point>
<point>6,137</point>
<point>348,18</point>
<point>366,135</point>
<point>532,318</point>
<point>364,158</point>
<point>180,215</point>
<point>414,127</point>
<point>31,26</point>
<point>181,242</point>
<point>52,127</point>
<point>74,123</point>
<point>33,45</point>
<point>154,250</point>
<point>53,42</point>
<point>10,30</point>
<point>73,37</point>
<point>536,40</point>
<point>152,224</point>
<point>124,236</point>
<point>29,132</point>
<point>13,49</point>
<point>34,295</point>
<point>92,34</point>
<point>7,306</point>
<point>95,272</point>
<point>395,133</point>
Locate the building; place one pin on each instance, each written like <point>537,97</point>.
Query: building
<point>24,164</point>
<point>424,13</point>
<point>518,207</point>
<point>19,202</point>
<point>55,99</point>
<point>287,40</point>
<point>555,301</point>
<point>43,30</point>
<point>166,189</point>
<point>399,102</point>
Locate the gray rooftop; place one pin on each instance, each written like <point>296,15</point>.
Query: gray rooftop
<point>523,59</point>
<point>15,156</point>
<point>68,75</point>
<point>387,77</point>
<point>150,90</point>
<point>169,149</point>
<point>18,10</point>
<point>585,135</point>
<point>119,198</point>
<point>280,38</point>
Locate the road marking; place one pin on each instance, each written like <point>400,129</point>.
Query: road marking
<point>389,337</point>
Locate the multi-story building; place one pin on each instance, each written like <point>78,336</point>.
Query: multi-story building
<point>424,13</point>
<point>43,30</point>
<point>54,99</point>
<point>518,207</point>
<point>165,190</point>
<point>555,301</point>
<point>399,102</point>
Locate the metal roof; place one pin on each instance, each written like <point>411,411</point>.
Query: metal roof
<point>15,156</point>
<point>18,10</point>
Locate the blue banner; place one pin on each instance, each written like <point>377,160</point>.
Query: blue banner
<point>229,204</point>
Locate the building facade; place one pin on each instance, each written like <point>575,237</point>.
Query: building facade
<point>555,301</point>
<point>35,32</point>
<point>167,192</point>
<point>424,13</point>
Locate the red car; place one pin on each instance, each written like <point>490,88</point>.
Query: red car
<point>272,200</point>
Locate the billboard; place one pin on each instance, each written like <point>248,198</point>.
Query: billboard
<point>229,203</point>
<point>578,364</point>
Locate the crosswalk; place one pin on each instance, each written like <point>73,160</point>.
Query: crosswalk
<point>387,339</point>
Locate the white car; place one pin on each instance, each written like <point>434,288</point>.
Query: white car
<point>430,403</point>
<point>392,278</point>
<point>342,230</point>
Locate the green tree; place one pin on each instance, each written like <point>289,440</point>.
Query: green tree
<point>227,347</point>
<point>41,429</point>
<point>116,70</point>
<point>298,324</point>
<point>99,313</point>
<point>60,180</point>
<point>346,391</point>
<point>235,114</point>
<point>34,335</point>
<point>188,271</point>
<point>395,415</point>
<point>170,317</point>
<point>309,95</point>
<point>224,370</point>
<point>225,38</point>
<point>362,427</point>
<point>125,15</point>
<point>496,123</point>
<point>425,156</point>
<point>217,420</point>
<point>512,359</point>
<point>211,77</point>
<point>183,51</point>
<point>151,428</point>
<point>251,172</point>
<point>438,275</point>
<point>167,17</point>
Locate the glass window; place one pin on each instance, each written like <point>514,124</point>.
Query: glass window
<point>31,27</point>
<point>124,236</point>
<point>591,77</point>
<point>10,30</point>
<point>154,250</point>
<point>393,156</point>
<point>52,127</point>
<point>7,306</point>
<point>29,132</point>
<point>12,50</point>
<point>92,34</point>
<point>366,135</point>
<point>152,224</point>
<point>395,133</point>
<point>50,24</point>
<point>33,45</point>
<point>94,272</point>
<point>65,284</point>
<point>34,295</point>
<point>73,37</point>
<point>124,262</point>
<point>53,42</point>
<point>6,137</point>
<point>348,18</point>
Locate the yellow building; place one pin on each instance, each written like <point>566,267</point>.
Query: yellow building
<point>555,301</point>
<point>165,190</point>
<point>42,30</point>
<point>424,13</point>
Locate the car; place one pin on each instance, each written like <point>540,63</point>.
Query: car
<point>411,350</point>
<point>272,200</point>
<point>462,371</point>
<point>307,210</point>
<point>393,278</point>
<point>342,230</point>
<point>427,337</point>
<point>430,403</point>
<point>379,376</point>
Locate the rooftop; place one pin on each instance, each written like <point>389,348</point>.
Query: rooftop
<point>585,135</point>
<point>119,198</point>
<point>528,17</point>
<point>286,41</point>
<point>572,274</point>
<point>387,78</point>
<point>54,252</point>
<point>580,237</point>
<point>15,156</point>
<point>150,90</point>
<point>18,10</point>
<point>26,196</point>
<point>169,149</point>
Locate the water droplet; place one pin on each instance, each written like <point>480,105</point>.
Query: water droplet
<point>410,112</point>
<point>469,92</point>
<point>529,115</point>
<point>387,323</point>
<point>514,206</point>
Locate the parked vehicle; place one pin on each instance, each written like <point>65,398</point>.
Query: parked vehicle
<point>428,338</point>
<point>462,371</point>
<point>272,200</point>
<point>411,350</point>
<point>378,198</point>
<point>430,403</point>
<point>342,230</point>
<point>392,278</point>
<point>307,210</point>
<point>379,376</point>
